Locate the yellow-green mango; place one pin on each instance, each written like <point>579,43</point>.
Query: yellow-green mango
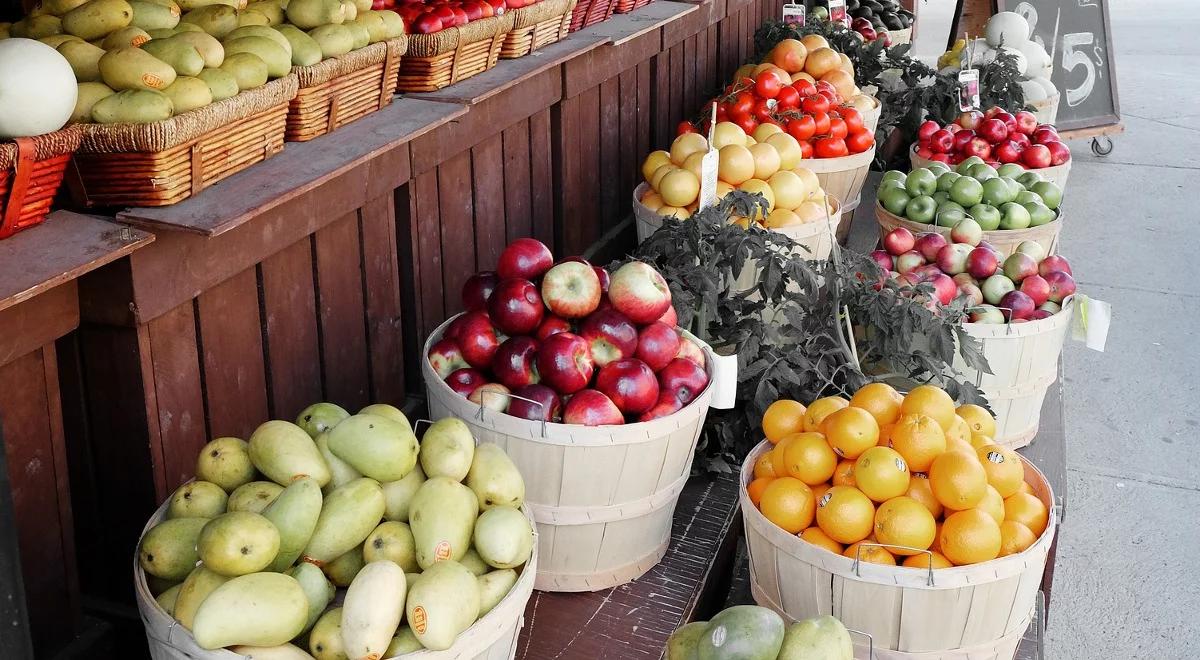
<point>494,478</point>
<point>372,609</point>
<point>56,40</point>
<point>84,59</point>
<point>281,450</point>
<point>133,106</point>
<point>319,417</point>
<point>349,11</point>
<point>340,471</point>
<point>134,68</point>
<point>350,513</point>
<point>493,587</point>
<point>442,518</point>
<point>217,20</point>
<point>61,7</point>
<point>189,5</point>
<point>278,60</point>
<point>294,513</point>
<point>127,37</point>
<point>199,584</point>
<point>222,84</point>
<point>389,411</point>
<point>818,638</point>
<point>503,537</point>
<point>36,27</point>
<point>226,463</point>
<point>188,27</point>
<point>158,585</point>
<point>281,652</point>
<point>375,446</point>
<point>248,17</point>
<point>249,71</point>
<point>399,494</point>
<point>404,642</point>
<point>197,499</point>
<point>359,32</point>
<point>474,563</point>
<point>681,645</point>
<point>166,600</point>
<point>168,550</point>
<point>260,609</point>
<point>376,29</point>
<point>90,93</point>
<point>238,543</point>
<point>341,571</point>
<point>317,589</point>
<point>394,542</point>
<point>308,14</point>
<point>362,5</point>
<point>395,24</point>
<point>305,50</point>
<point>446,598</point>
<point>179,54</point>
<point>254,497</point>
<point>274,35</point>
<point>98,18</point>
<point>207,45</point>
<point>447,449</point>
<point>325,639</point>
<point>188,93</point>
<point>153,16</point>
<point>269,8</point>
<point>334,39</point>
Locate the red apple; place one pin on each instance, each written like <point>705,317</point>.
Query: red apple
<point>515,362</point>
<point>524,258</point>
<point>924,152</point>
<point>464,381</point>
<point>565,363</point>
<point>446,357</point>
<point>988,246</point>
<point>898,241</point>
<point>970,119</point>
<point>690,350</point>
<point>477,339</point>
<point>1059,153</point>
<point>978,147</point>
<point>909,261</point>
<point>982,263</point>
<point>929,243</point>
<point>972,291</point>
<point>967,232</point>
<point>1027,122</point>
<point>669,317</point>
<point>992,112</point>
<point>639,292</point>
<point>473,11</point>
<point>942,141</point>
<point>492,396</point>
<point>927,128</point>
<point>610,336</point>
<point>1052,263</point>
<point>460,17</point>
<point>1021,139</point>
<point>952,259</point>
<point>1044,135</point>
<point>940,158</point>
<point>962,138</point>
<point>885,261</point>
<point>992,130</point>
<point>1039,314</point>
<point>630,384</point>
<point>1036,157</point>
<point>1036,287</point>
<point>1061,285</point>
<point>944,288</point>
<point>516,307</point>
<point>602,275</point>
<point>427,23</point>
<point>1016,305</point>
<point>477,289</point>
<point>551,325</point>
<point>591,408</point>
<point>1008,151</point>
<point>1009,120</point>
<point>682,379</point>
<point>667,405</point>
<point>536,402</point>
<point>571,289</point>
<point>1018,266</point>
<point>658,344</point>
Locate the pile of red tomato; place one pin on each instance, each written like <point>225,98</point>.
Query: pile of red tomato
<point>428,17</point>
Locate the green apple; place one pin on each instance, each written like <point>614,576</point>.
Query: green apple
<point>1010,170</point>
<point>892,175</point>
<point>938,167</point>
<point>1025,197</point>
<point>1039,214</point>
<point>940,197</point>
<point>986,215</point>
<point>946,180</point>
<point>921,209</point>
<point>1013,216</point>
<point>966,191</point>
<point>982,172</point>
<point>1029,178</point>
<point>950,204</point>
<point>1050,193</point>
<point>995,287</point>
<point>894,199</point>
<point>997,191</point>
<point>921,182</point>
<point>950,217</point>
<point>964,167</point>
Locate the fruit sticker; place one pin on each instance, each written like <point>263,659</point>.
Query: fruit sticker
<point>995,457</point>
<point>825,499</point>
<point>152,80</point>
<point>420,620</point>
<point>718,636</point>
<point>901,465</point>
<point>442,551</point>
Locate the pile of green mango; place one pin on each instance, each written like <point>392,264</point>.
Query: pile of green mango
<point>143,61</point>
<point>750,632</point>
<point>425,537</point>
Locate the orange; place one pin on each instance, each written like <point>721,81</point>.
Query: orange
<point>1028,510</point>
<point>815,536</point>
<point>958,481</point>
<point>923,560</point>
<point>872,554</point>
<point>1014,538</point>
<point>1025,488</point>
<point>819,490</point>
<point>881,474</point>
<point>978,441</point>
<point>969,537</point>
<point>756,488</point>
<point>843,474</point>
<point>779,453</point>
<point>919,490</point>
<point>879,399</point>
<point>850,431</point>
<point>788,503</point>
<point>1004,469</point>
<point>783,418</point>
<point>845,514</point>
<point>993,504</point>
<point>931,401</point>
<point>959,430</point>
<point>919,439</point>
<point>820,409</point>
<point>960,445</point>
<point>936,546</point>
<point>788,55</point>
<point>809,458</point>
<point>902,523</point>
<point>763,467</point>
<point>885,435</point>
<point>978,418</point>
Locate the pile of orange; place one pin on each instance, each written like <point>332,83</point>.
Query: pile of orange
<point>885,477</point>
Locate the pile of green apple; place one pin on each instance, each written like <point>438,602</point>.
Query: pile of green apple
<point>425,538</point>
<point>1008,197</point>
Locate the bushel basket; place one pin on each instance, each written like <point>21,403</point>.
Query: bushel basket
<point>31,171</point>
<point>1004,240</point>
<point>842,178</point>
<point>537,26</point>
<point>626,6</point>
<point>437,60</point>
<point>1056,174</point>
<point>342,89</point>
<point>591,12</point>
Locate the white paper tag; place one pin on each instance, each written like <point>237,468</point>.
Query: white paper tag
<point>837,12</point>
<point>1091,321</point>
<point>793,14</point>
<point>708,167</point>
<point>724,381</point>
<point>968,89</point>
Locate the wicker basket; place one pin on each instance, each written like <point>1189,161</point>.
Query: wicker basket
<point>591,12</point>
<point>537,26</point>
<point>31,171</point>
<point>443,58</point>
<point>1056,174</point>
<point>342,89</point>
<point>626,6</point>
<point>603,497</point>
<point>1046,110</point>
<point>492,637</point>
<point>1004,240</point>
<point>976,612</point>
<point>166,162</point>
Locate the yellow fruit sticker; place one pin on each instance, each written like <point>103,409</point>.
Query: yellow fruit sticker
<point>152,80</point>
<point>825,499</point>
<point>442,551</point>
<point>420,621</point>
<point>137,41</point>
<point>901,465</point>
<point>175,10</point>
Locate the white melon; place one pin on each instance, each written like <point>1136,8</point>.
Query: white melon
<point>1007,28</point>
<point>37,88</point>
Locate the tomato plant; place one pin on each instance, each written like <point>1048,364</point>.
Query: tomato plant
<point>685,126</point>
<point>853,119</point>
<point>767,85</point>
<point>763,110</point>
<point>805,87</point>
<point>743,104</point>
<point>806,149</point>
<point>787,99</point>
<point>747,123</point>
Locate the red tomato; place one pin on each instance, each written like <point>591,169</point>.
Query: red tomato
<point>722,112</point>
<point>747,123</point>
<point>822,123</point>
<point>853,119</point>
<point>815,103</point>
<point>806,149</point>
<point>743,103</point>
<point>834,99</point>
<point>859,141</point>
<point>763,110</point>
<point>830,148</point>
<point>787,99</point>
<point>837,128</point>
<point>826,86</point>
<point>805,87</point>
<point>768,84</point>
<point>802,128</point>
<point>685,126</point>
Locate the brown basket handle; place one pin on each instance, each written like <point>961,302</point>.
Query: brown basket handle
<point>386,90</point>
<point>26,153</point>
<point>197,167</point>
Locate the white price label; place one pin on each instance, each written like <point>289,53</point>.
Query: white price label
<point>837,12</point>
<point>1091,321</point>
<point>724,381</point>
<point>968,89</point>
<point>793,14</point>
<point>708,178</point>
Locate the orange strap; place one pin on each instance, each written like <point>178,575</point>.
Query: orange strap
<point>26,151</point>
<point>385,90</point>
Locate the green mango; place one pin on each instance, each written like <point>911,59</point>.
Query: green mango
<point>404,642</point>
<point>260,609</point>
<point>274,35</point>
<point>238,543</point>
<point>281,652</point>
<point>399,494</point>
<point>447,597</point>
<point>394,542</point>
<point>277,58</point>
<point>334,39</point>
<point>319,417</point>
<point>373,23</point>
<point>742,632</point>
<point>372,609</point>
<point>395,24</point>
<point>349,11</point>
<point>247,18</point>
<point>188,27</point>
<point>681,645</point>
<point>190,5</point>
<point>36,27</point>
<point>447,449</point>
<point>375,446</point>
<point>494,478</point>
<point>197,499</point>
<point>391,412</point>
<point>166,600</point>
<point>325,639</point>
<point>153,16</point>
<point>818,638</point>
<point>317,589</point>
<point>159,585</point>
<point>134,106</point>
<point>341,571</point>
<point>269,8</point>
<point>493,587</point>
<point>220,83</point>
<point>294,513</point>
<point>126,37</point>
<point>61,7</point>
<point>442,518</point>
<point>226,463</point>
<point>89,94</point>
<point>217,20</point>
<point>134,68</point>
<point>207,45</point>
<point>254,497</point>
<point>308,14</point>
<point>188,93</point>
<point>474,563</point>
<point>503,537</point>
<point>200,583</point>
<point>305,50</point>
<point>359,32</point>
<point>340,471</point>
<point>84,59</point>
<point>281,450</point>
<point>56,40</point>
<point>248,69</point>
<point>350,513</point>
<point>168,550</point>
<point>98,18</point>
<point>180,55</point>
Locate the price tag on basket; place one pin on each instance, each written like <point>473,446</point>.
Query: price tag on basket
<point>968,89</point>
<point>724,381</point>
<point>708,167</point>
<point>1091,321</point>
<point>793,14</point>
<point>837,12</point>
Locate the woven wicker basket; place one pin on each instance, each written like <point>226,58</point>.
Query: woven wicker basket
<point>342,89</point>
<point>165,162</point>
<point>443,58</point>
<point>626,6</point>
<point>591,12</point>
<point>537,26</point>
<point>31,171</point>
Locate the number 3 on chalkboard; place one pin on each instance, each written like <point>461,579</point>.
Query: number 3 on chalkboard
<point>1074,57</point>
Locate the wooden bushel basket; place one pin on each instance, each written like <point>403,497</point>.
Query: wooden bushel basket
<point>31,171</point>
<point>1056,174</point>
<point>842,178</point>
<point>438,60</point>
<point>591,12</point>
<point>1004,240</point>
<point>603,497</point>
<point>1046,110</point>
<point>977,612</point>
<point>168,161</point>
<point>1023,358</point>
<point>626,6</point>
<point>537,26</point>
<point>871,117</point>
<point>342,89</point>
<point>492,637</point>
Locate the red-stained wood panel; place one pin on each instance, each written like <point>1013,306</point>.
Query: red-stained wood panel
<point>422,225</point>
<point>489,178</point>
<point>382,289</point>
<point>341,310</point>
<point>678,111</point>
<point>183,429</point>
<point>458,247</point>
<point>235,382</point>
<point>566,149</point>
<point>586,199</point>
<point>645,107</point>
<point>627,112</point>
<point>290,317</point>
<point>691,104</point>
<point>661,100</point>
<point>518,211</point>
<point>610,174</point>
<point>541,175</point>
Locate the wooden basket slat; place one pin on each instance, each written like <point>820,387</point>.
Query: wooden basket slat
<point>428,74</point>
<point>523,41</point>
<point>356,94</point>
<point>1058,174</point>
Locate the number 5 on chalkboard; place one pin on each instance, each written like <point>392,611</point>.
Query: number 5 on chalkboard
<point>1074,57</point>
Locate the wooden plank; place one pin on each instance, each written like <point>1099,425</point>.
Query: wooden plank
<point>341,309</point>
<point>600,64</point>
<point>518,182</point>
<point>691,104</point>
<point>40,320</point>
<point>366,157</point>
<point>623,28</point>
<point>291,343</point>
<point>489,176</point>
<point>1092,132</point>
<point>457,248</point>
<point>182,422</point>
<point>645,132</point>
<point>16,641</point>
<point>384,316</point>
<point>541,176</point>
<point>423,223</point>
<point>231,351</point>
<point>628,155</point>
<point>62,248</point>
<point>660,101</point>
<point>609,128</point>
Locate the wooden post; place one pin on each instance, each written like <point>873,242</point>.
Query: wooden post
<point>15,640</point>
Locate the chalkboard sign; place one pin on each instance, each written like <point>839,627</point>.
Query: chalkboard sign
<point>1076,33</point>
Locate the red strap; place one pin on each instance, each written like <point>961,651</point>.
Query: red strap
<point>26,152</point>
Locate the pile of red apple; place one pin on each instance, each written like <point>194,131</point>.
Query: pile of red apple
<point>996,136</point>
<point>1028,285</point>
<point>566,342</point>
<point>422,17</point>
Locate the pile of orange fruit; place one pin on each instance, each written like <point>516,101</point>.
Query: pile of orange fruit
<point>885,477</point>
